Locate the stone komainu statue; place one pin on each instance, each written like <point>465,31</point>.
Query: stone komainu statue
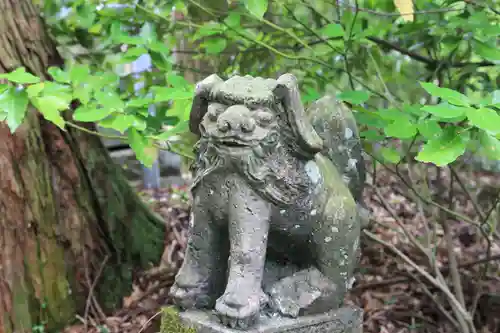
<point>275,219</point>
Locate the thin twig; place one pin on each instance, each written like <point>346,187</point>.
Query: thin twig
<point>92,285</point>
<point>478,209</point>
<point>445,271</point>
<point>425,200</point>
<point>149,320</point>
<point>452,299</point>
<point>435,300</point>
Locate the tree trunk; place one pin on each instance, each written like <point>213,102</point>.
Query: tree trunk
<point>67,215</point>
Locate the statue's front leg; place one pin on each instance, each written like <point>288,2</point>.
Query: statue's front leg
<point>249,217</point>
<point>200,280</point>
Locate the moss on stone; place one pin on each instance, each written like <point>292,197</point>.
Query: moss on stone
<point>171,323</point>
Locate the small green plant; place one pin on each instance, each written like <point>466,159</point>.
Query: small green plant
<point>171,323</point>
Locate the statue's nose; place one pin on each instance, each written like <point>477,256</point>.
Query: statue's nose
<point>245,125</point>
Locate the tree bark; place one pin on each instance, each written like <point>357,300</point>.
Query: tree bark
<point>67,214</point>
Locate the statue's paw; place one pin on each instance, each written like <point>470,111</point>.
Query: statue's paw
<point>191,297</point>
<point>239,310</point>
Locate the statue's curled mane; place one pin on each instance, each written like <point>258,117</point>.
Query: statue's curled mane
<point>270,169</point>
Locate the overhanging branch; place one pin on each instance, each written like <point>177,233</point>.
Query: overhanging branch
<point>428,61</point>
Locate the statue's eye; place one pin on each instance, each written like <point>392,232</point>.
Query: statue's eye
<point>248,125</point>
<point>264,118</point>
<point>202,129</point>
<point>214,110</point>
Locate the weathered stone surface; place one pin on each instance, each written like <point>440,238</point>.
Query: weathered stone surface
<point>303,293</point>
<point>275,187</point>
<point>343,320</point>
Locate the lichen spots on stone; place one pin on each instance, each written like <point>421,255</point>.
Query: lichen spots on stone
<point>351,164</point>
<point>313,172</point>
<point>348,133</point>
<point>350,283</point>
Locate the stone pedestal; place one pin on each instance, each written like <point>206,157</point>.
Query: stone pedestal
<point>344,320</point>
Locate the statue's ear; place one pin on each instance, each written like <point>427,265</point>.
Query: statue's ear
<point>287,91</point>
<point>200,101</point>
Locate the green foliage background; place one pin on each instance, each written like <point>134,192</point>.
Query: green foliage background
<point>424,90</point>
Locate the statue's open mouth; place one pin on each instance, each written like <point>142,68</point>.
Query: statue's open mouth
<point>233,143</point>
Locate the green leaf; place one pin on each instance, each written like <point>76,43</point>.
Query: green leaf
<point>179,128</point>
<point>109,100</point>
<point>322,50</point>
<point>139,102</point>
<point>20,76</point>
<point>119,122</point>
<point>58,74</point>
<point>208,29</point>
<point>490,146</point>
<point>142,148</point>
<point>86,15</point>
<point>332,30</point>
<point>257,7</point>
<point>130,40</point>
<point>310,95</point>
<point>449,95</point>
<point>354,97</point>
<point>163,94</point>
<point>162,61</point>
<point>495,97</point>
<point>233,20</point>
<point>393,114</point>
<point>486,51</point>
<point>79,74</point>
<point>401,129</point>
<point>159,47</point>
<point>50,107</point>
<point>443,150</point>
<point>372,136</point>
<point>132,54</point>
<point>429,128</point>
<point>371,119</point>
<point>445,110</point>
<point>58,102</point>
<point>148,33</point>
<point>391,155</point>
<point>180,109</point>
<point>177,81</point>
<point>3,87</point>
<point>484,118</point>
<point>215,46</point>
<point>88,114</point>
<point>415,110</point>
<point>83,93</point>
<point>34,90</point>
<point>14,102</point>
